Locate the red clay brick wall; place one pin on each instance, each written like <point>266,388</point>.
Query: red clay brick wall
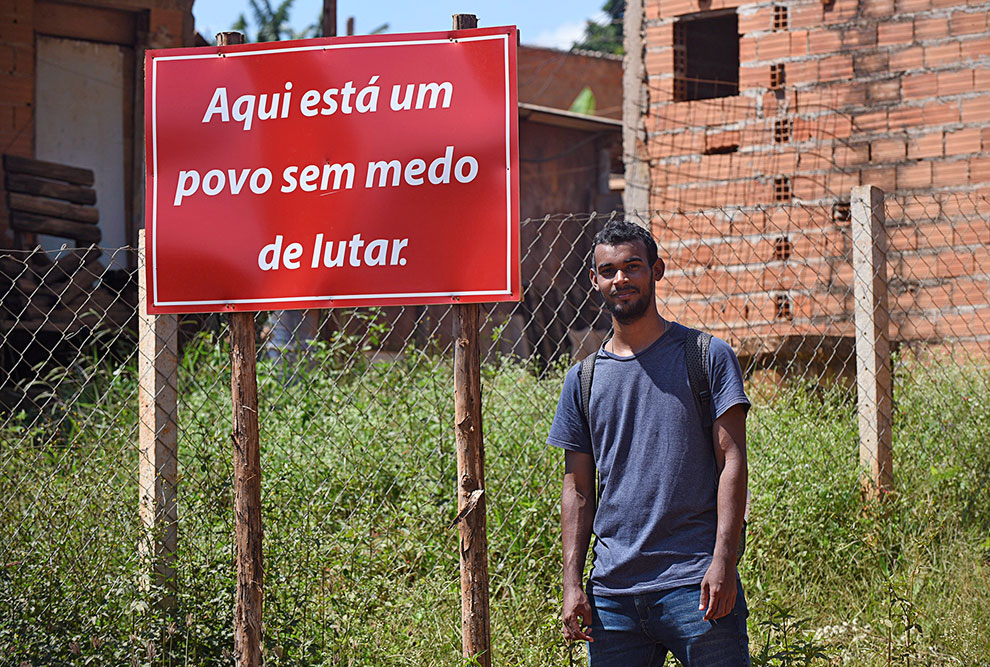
<point>554,78</point>
<point>894,93</point>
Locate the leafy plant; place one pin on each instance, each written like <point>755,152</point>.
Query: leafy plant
<point>358,483</point>
<point>787,641</point>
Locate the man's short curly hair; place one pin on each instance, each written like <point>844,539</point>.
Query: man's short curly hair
<point>618,231</point>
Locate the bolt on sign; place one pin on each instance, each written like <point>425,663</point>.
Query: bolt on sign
<point>353,171</point>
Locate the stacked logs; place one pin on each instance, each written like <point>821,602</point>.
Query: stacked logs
<point>64,294</point>
<point>60,292</point>
<point>50,198</point>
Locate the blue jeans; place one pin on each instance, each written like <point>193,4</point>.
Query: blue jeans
<point>638,630</point>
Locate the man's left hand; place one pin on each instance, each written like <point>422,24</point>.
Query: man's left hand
<point>718,588</point>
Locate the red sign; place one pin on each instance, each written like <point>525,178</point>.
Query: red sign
<point>353,171</point>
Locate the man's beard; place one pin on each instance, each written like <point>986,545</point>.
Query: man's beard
<point>626,312</point>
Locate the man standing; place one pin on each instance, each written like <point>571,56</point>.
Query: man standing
<point>670,503</point>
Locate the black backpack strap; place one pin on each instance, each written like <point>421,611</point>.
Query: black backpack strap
<point>586,375</point>
<point>696,353</point>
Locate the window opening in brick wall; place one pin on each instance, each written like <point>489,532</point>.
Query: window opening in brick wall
<point>841,212</point>
<point>782,189</point>
<point>782,248</point>
<point>783,304</point>
<point>777,76</point>
<point>706,56</point>
<point>779,18</point>
<point>782,131</point>
<point>723,149</point>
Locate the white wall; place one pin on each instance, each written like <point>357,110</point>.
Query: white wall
<point>79,121</point>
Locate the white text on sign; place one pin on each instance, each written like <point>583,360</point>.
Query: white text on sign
<point>312,178</point>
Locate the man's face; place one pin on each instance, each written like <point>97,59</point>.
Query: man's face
<point>625,279</point>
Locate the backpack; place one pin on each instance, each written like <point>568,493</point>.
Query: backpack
<point>696,354</point>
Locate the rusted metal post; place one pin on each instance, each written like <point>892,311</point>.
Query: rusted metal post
<point>247,475</point>
<point>157,439</point>
<point>873,378</point>
<point>471,519</point>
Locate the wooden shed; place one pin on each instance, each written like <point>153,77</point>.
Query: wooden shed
<point>71,93</point>
<point>570,163</point>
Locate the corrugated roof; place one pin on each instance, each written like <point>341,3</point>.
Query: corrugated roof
<point>569,119</point>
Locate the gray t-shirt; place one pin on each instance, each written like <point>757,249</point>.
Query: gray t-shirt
<point>657,512</point>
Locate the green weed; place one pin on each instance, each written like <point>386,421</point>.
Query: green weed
<point>361,564</point>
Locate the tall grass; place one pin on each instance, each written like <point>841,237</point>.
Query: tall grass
<point>361,566</point>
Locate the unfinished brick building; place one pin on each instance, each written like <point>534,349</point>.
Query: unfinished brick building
<point>758,118</point>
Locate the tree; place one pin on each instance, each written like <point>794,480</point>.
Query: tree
<point>607,36</point>
<point>272,24</point>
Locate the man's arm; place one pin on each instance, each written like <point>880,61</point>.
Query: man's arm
<point>577,513</point>
<point>718,589</point>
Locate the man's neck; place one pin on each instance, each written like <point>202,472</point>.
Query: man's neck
<point>633,337</point>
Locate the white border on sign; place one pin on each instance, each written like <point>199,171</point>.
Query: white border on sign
<point>508,175</point>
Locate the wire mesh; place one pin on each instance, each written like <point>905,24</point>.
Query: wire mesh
<point>358,463</point>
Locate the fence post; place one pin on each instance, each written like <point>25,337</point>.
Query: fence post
<point>247,491</point>
<point>471,520</point>
<point>635,102</point>
<point>873,378</point>
<point>247,476</point>
<point>471,509</point>
<point>157,438</point>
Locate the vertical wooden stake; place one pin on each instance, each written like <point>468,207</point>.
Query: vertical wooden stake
<point>471,513</point>
<point>157,438</point>
<point>329,18</point>
<point>247,491</point>
<point>869,240</point>
<point>247,476</point>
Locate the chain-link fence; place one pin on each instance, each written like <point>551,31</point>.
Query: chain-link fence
<point>358,463</point>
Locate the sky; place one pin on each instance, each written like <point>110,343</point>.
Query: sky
<point>553,23</point>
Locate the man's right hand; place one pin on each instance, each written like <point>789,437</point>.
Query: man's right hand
<point>577,513</point>
<point>577,615</point>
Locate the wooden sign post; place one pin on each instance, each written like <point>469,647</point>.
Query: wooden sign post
<point>247,475</point>
<point>270,231</point>
<point>471,519</point>
<point>471,515</point>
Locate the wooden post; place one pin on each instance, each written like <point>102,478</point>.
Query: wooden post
<point>247,491</point>
<point>329,18</point>
<point>157,438</point>
<point>471,520</point>
<point>869,240</point>
<point>247,475</point>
